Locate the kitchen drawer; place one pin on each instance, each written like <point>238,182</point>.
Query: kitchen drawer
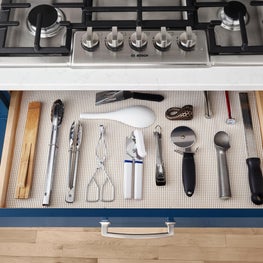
<point>159,204</point>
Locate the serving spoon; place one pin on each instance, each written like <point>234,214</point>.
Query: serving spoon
<point>135,116</point>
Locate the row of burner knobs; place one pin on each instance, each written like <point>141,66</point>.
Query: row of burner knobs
<point>138,40</point>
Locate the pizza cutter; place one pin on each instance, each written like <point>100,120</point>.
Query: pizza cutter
<point>184,138</point>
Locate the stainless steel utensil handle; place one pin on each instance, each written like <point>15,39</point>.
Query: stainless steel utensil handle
<point>72,178</point>
<point>223,175</point>
<point>106,233</point>
<point>207,104</point>
<point>51,163</point>
<point>159,169</point>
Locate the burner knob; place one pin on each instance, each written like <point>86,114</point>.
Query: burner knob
<point>138,39</point>
<point>114,40</point>
<point>90,40</point>
<point>162,40</point>
<point>187,40</point>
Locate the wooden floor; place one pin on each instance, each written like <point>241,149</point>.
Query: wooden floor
<point>77,245</point>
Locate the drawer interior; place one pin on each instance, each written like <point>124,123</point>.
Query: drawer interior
<point>170,196</point>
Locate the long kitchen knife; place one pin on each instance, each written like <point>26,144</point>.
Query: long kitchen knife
<point>253,162</point>
<point>118,95</point>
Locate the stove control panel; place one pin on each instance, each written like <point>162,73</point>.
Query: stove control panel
<point>114,39</point>
<point>139,48</point>
<point>138,40</point>
<point>90,40</point>
<point>187,40</point>
<point>162,40</point>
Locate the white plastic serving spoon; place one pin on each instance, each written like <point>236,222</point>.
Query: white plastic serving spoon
<point>135,116</point>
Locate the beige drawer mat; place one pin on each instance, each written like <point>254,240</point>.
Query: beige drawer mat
<point>169,196</point>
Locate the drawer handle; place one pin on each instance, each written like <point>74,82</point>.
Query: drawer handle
<point>105,225</point>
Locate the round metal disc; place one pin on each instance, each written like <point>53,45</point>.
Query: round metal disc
<point>183,136</point>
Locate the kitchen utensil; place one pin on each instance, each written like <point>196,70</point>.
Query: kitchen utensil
<point>230,119</point>
<point>253,162</point>
<point>135,116</point>
<point>221,141</point>
<point>105,193</point>
<point>176,113</point>
<point>160,178</point>
<point>118,95</point>
<point>133,163</point>
<point>207,105</point>
<point>259,100</point>
<point>57,113</point>
<point>184,137</point>
<point>75,138</point>
<point>26,167</point>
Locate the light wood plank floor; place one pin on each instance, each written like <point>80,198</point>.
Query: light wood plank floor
<point>85,245</point>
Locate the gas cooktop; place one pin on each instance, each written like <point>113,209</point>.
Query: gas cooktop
<point>131,33</point>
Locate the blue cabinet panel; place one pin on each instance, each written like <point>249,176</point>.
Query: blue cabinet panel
<point>4,104</point>
<point>10,217</point>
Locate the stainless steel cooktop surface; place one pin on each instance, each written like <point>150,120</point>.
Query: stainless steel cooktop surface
<point>131,33</point>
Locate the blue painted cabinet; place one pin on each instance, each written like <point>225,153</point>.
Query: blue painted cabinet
<point>131,217</point>
<point>4,104</point>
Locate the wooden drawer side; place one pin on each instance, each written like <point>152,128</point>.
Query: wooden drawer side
<point>9,143</point>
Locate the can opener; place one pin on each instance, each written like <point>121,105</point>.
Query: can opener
<point>133,164</point>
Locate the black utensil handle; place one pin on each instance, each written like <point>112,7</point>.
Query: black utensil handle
<point>255,180</point>
<point>147,96</point>
<point>188,173</point>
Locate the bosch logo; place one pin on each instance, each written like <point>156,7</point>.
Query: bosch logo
<point>139,55</point>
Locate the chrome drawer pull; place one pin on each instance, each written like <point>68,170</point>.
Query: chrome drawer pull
<point>105,233</point>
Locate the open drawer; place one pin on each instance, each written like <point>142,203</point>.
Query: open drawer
<point>159,204</point>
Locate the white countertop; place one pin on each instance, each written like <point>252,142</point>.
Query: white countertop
<point>210,78</point>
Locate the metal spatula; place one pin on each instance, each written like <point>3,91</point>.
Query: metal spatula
<point>118,95</point>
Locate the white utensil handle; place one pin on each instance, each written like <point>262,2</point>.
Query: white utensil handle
<point>106,233</point>
<point>127,182</point>
<point>95,116</point>
<point>138,171</point>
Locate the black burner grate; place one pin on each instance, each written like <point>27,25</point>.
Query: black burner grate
<point>215,49</point>
<point>36,48</point>
<point>87,10</point>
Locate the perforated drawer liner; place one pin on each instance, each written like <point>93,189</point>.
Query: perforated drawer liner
<point>170,196</point>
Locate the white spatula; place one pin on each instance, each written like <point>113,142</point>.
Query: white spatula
<point>135,116</point>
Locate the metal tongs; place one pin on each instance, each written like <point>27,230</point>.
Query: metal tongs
<point>160,178</point>
<point>133,163</point>
<point>57,113</point>
<point>105,193</point>
<point>75,137</point>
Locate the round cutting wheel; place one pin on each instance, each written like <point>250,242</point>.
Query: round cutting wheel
<point>183,137</point>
